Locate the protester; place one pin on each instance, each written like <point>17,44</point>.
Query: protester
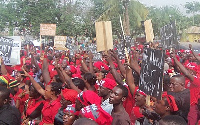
<point>52,102</point>
<point>71,83</point>
<point>117,97</point>
<point>104,91</point>
<point>9,115</point>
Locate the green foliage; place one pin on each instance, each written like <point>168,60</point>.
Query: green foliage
<point>192,7</point>
<point>163,16</point>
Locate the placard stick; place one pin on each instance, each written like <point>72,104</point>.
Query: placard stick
<point>148,100</point>
<point>0,59</point>
<point>40,45</point>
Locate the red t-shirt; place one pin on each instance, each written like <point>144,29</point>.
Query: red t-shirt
<point>129,102</point>
<point>32,105</point>
<point>194,90</point>
<point>49,111</point>
<point>135,114</point>
<point>22,100</point>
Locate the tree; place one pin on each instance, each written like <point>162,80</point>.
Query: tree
<point>192,8</point>
<point>162,16</point>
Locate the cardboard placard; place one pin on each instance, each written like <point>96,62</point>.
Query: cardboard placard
<point>151,74</point>
<point>48,29</point>
<point>104,35</point>
<point>60,42</point>
<point>149,31</point>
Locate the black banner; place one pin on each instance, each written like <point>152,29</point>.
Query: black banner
<point>6,45</point>
<point>168,35</point>
<point>151,74</point>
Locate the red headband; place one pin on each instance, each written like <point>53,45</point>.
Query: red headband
<point>171,101</point>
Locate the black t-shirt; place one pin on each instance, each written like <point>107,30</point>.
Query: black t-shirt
<point>183,102</point>
<point>9,115</point>
<point>58,120</point>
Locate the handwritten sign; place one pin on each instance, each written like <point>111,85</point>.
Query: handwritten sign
<point>10,50</point>
<point>148,31</point>
<point>168,35</point>
<point>104,35</point>
<point>48,29</point>
<point>151,74</point>
<point>60,42</point>
<point>6,46</point>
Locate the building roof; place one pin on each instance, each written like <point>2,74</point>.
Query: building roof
<point>193,29</point>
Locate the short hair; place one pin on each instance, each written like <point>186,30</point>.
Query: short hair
<point>4,93</point>
<point>79,83</point>
<point>22,73</point>
<point>181,78</point>
<point>172,120</point>
<point>124,90</point>
<point>90,78</point>
<point>84,121</point>
<point>56,87</point>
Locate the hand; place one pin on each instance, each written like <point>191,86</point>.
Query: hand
<point>190,46</point>
<point>114,54</point>
<point>25,73</point>
<point>107,56</point>
<point>134,59</point>
<point>46,49</point>
<point>1,60</point>
<point>21,95</point>
<point>173,55</point>
<point>90,55</point>
<point>25,121</point>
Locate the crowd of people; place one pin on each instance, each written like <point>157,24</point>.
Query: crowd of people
<point>50,87</point>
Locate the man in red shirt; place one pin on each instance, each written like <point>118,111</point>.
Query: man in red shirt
<point>193,83</point>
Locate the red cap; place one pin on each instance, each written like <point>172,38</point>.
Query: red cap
<point>96,113</point>
<point>89,97</point>
<point>70,94</point>
<point>108,83</point>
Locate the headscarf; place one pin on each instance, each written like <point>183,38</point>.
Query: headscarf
<point>97,114</point>
<point>141,92</point>
<point>171,101</point>
<point>89,97</point>
<point>70,94</point>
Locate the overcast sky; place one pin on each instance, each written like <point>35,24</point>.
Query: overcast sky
<point>164,2</point>
<point>159,3</point>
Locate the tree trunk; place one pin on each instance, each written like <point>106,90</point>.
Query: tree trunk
<point>126,20</point>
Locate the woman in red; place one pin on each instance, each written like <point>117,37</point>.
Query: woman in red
<point>33,107</point>
<point>52,102</point>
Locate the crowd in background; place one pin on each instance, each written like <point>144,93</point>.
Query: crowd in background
<point>54,87</point>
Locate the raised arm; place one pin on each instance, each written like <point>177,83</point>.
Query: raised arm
<point>121,66</point>
<point>68,81</point>
<point>84,66</point>
<point>134,62</point>
<point>35,84</point>
<point>130,79</point>
<point>45,71</point>
<point>33,61</point>
<point>182,68</point>
<point>91,62</point>
<point>195,55</point>
<point>113,70</point>
<point>3,67</point>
